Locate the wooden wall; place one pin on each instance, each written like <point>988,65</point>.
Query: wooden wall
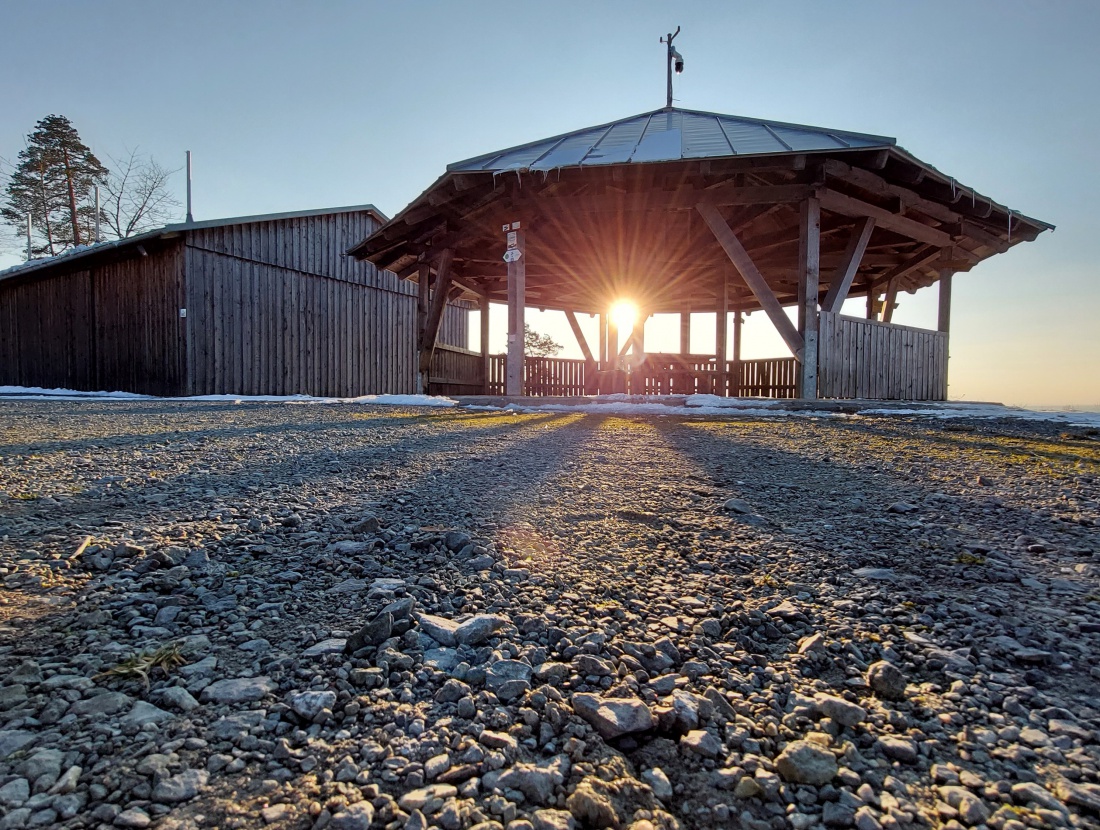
<point>277,308</point>
<point>109,326</point>
<point>273,308</point>
<point>868,359</point>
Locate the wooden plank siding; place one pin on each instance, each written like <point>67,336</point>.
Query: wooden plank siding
<point>273,307</point>
<point>868,359</point>
<point>280,310</point>
<point>111,326</point>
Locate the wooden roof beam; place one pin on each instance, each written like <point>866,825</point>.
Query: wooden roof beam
<point>841,280</point>
<point>923,256</point>
<point>839,203</point>
<point>876,184</point>
<point>752,277</point>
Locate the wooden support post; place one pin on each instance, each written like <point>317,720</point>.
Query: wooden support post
<point>721,320</point>
<point>944,325</point>
<point>809,276</point>
<point>485,344</point>
<point>872,300</point>
<point>890,301</point>
<point>517,290</point>
<point>685,330</point>
<point>603,340</point>
<point>944,321</point>
<point>752,277</point>
<point>841,281</point>
<point>440,290</point>
<point>637,335</point>
<point>735,383</point>
<point>423,285</point>
<point>612,344</point>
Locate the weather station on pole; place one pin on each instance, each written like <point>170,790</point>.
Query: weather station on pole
<point>675,63</point>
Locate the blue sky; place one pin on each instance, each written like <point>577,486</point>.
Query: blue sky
<point>290,106</point>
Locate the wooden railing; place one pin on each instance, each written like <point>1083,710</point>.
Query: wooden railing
<point>660,375</point>
<point>456,371</point>
<point>773,377</point>
<point>543,376</point>
<point>868,359</point>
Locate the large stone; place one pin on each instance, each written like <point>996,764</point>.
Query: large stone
<point>887,680</point>
<point>590,805</point>
<point>478,629</point>
<point>590,664</point>
<point>311,704</point>
<point>182,787</point>
<point>535,781</point>
<point>144,713</point>
<point>15,792</point>
<point>553,820</point>
<point>1028,792</point>
<point>899,749</point>
<point>333,645</point>
<point>802,762</point>
<point>658,782</point>
<point>105,703</point>
<point>840,710</point>
<point>439,629</point>
<point>238,690</point>
<point>44,762</point>
<point>374,633</point>
<point>613,717</point>
<point>415,799</point>
<point>179,698</point>
<point>357,816</point>
<point>1080,794</point>
<point>134,818</point>
<point>701,742</point>
<point>508,679</point>
<point>14,739</point>
<point>971,809</point>
<point>12,697</point>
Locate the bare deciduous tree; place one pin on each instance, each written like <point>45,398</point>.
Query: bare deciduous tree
<point>136,196</point>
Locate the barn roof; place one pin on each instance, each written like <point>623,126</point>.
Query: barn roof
<point>669,135</point>
<point>175,229</point>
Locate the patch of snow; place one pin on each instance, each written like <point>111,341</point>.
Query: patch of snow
<point>405,400</point>
<point>40,393</point>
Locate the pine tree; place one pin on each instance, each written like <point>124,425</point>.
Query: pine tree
<point>536,344</point>
<point>53,182</point>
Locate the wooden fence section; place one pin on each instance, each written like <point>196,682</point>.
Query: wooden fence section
<point>549,376</point>
<point>772,377</point>
<point>666,375</point>
<point>456,371</point>
<point>868,359</point>
<point>676,374</point>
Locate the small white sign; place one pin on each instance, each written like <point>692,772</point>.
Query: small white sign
<point>512,255</point>
<point>513,239</point>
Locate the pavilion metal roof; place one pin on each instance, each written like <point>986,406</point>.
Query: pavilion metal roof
<point>670,135</point>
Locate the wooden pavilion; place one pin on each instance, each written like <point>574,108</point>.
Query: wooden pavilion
<point>684,211</point>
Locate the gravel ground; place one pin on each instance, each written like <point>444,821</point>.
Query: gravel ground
<point>295,616</point>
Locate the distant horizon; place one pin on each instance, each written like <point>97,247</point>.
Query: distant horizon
<point>272,132</point>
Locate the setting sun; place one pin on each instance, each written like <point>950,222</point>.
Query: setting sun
<point>623,314</point>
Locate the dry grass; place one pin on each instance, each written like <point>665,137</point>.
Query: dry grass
<point>141,666</point>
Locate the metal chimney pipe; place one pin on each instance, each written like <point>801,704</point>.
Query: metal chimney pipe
<point>190,218</point>
<point>28,237</point>
<point>97,238</point>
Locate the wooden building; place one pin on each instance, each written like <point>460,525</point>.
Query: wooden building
<point>257,305</point>
<point>684,211</point>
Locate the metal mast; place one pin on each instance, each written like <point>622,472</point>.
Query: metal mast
<point>675,62</point>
